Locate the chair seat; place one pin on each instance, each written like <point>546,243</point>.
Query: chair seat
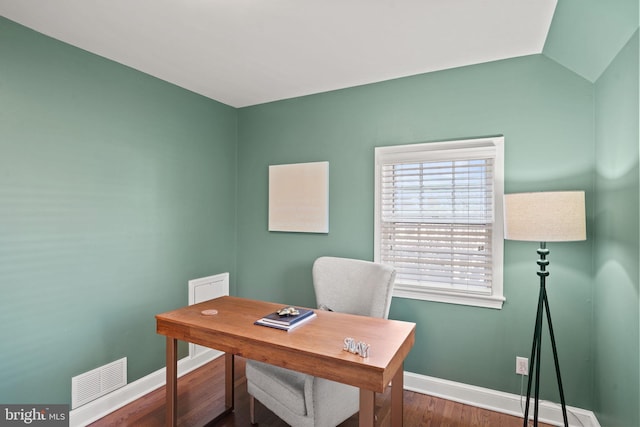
<point>284,384</point>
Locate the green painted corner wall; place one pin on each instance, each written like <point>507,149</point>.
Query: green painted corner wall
<point>586,35</point>
<point>616,252</point>
<point>545,113</point>
<point>111,184</point>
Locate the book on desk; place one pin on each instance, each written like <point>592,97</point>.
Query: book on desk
<point>286,322</point>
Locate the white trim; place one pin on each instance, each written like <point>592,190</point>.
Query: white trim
<point>493,145</point>
<point>108,403</point>
<point>412,151</point>
<point>461,298</point>
<point>493,400</point>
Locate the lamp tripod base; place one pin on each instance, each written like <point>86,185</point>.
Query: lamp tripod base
<point>543,306</point>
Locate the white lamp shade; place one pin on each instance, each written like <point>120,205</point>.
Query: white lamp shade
<point>556,216</point>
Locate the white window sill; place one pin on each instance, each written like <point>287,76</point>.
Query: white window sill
<point>476,300</point>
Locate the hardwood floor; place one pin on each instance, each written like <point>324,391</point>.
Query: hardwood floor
<point>201,397</point>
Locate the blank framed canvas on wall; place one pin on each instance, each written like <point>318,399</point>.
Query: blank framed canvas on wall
<point>299,197</point>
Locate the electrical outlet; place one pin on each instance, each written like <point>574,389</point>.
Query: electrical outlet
<point>522,365</point>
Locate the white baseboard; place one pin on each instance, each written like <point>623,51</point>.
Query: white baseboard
<point>92,411</point>
<point>507,403</point>
<point>485,398</point>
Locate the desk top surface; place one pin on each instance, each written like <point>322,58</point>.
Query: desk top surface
<point>315,348</point>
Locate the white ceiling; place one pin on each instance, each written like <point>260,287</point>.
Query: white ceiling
<point>246,52</point>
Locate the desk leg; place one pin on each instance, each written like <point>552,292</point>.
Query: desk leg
<point>366,417</point>
<point>397,389</point>
<point>229,371</point>
<point>172,382</point>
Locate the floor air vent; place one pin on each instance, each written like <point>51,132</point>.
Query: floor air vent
<point>98,382</point>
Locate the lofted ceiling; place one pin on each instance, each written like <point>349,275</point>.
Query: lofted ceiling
<point>247,52</point>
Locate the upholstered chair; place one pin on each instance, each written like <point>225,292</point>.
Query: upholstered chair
<point>301,400</point>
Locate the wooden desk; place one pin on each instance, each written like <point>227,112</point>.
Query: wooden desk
<point>314,348</point>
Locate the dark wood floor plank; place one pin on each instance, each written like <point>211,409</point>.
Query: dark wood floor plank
<point>201,397</point>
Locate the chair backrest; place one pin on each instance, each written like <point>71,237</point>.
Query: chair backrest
<point>353,286</point>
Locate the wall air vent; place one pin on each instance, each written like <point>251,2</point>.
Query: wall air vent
<point>98,382</point>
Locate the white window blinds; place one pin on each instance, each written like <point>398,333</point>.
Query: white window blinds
<point>437,220</point>
<point>436,216</point>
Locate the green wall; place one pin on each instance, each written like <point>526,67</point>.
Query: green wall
<point>586,35</point>
<point>111,185</point>
<point>616,252</point>
<point>546,115</point>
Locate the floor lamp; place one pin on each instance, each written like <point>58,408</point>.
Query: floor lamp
<point>543,217</point>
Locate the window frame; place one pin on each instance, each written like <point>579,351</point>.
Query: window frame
<point>422,152</point>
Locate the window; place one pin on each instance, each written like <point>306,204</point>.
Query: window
<point>438,219</point>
